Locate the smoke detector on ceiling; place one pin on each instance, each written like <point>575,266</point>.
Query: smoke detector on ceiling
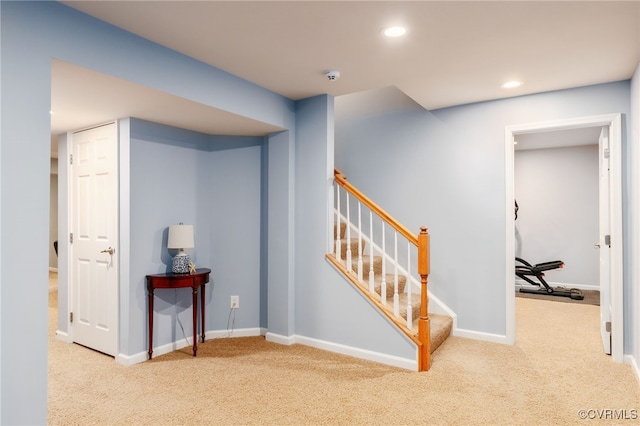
<point>332,75</point>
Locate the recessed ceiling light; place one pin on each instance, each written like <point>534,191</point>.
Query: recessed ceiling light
<point>511,84</point>
<point>394,31</point>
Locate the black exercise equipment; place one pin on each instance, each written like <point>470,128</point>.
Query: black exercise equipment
<point>527,272</point>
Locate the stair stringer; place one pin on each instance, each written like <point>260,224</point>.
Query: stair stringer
<point>398,323</point>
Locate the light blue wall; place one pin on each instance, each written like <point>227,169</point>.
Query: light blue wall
<point>182,176</point>
<point>279,251</point>
<point>32,35</point>
<point>327,307</point>
<point>445,169</point>
<point>24,224</point>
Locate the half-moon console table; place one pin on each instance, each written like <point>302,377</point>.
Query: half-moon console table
<point>171,280</point>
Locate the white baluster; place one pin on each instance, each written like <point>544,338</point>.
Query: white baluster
<point>359,242</point>
<point>383,286</point>
<point>408,287</point>
<point>348,242</point>
<point>371,273</point>
<point>338,242</point>
<point>396,298</point>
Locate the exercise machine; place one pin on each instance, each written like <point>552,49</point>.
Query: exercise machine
<point>534,275</point>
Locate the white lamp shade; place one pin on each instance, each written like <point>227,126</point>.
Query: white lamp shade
<point>180,237</point>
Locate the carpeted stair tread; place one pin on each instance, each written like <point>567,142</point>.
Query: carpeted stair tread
<point>440,327</point>
<point>345,244</point>
<point>366,263</point>
<point>415,305</point>
<point>390,284</point>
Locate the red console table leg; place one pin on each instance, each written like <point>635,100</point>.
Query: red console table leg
<point>202,311</point>
<point>150,322</point>
<point>195,320</point>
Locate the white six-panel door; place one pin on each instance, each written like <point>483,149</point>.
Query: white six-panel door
<point>94,249</point>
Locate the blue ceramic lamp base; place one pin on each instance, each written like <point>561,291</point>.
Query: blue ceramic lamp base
<point>181,264</point>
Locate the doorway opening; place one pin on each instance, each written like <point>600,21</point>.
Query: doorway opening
<point>610,208</point>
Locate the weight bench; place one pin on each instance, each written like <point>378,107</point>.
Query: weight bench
<point>528,272</point>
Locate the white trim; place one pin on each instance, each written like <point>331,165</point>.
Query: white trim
<point>630,360</point>
<point>522,283</point>
<point>67,244</point>
<point>510,224</point>
<point>63,336</point>
<point>241,332</point>
<point>479,335</point>
<point>129,360</point>
<point>614,121</point>
<point>280,339</point>
<point>405,363</point>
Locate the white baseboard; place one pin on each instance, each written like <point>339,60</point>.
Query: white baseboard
<point>129,360</point>
<point>407,364</point>
<point>479,335</point>
<point>630,360</point>
<point>63,336</point>
<point>522,283</point>
<point>280,339</point>
<point>241,332</point>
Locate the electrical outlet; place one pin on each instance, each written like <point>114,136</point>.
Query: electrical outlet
<point>235,302</point>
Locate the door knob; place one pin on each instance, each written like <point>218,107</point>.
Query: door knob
<point>109,250</point>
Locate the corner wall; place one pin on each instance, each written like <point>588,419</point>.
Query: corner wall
<point>450,164</point>
<point>226,219</point>
<point>329,312</point>
<point>32,35</point>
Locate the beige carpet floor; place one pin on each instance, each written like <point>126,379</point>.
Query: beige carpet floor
<point>556,369</point>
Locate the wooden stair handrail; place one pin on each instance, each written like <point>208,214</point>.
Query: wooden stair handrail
<point>342,180</point>
<point>421,241</point>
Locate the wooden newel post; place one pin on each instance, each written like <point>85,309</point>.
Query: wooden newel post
<point>424,332</point>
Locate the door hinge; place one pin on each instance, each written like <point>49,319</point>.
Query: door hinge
<point>71,159</point>
<point>606,153</point>
<point>607,240</point>
<point>70,316</point>
<point>71,237</point>
<point>607,326</point>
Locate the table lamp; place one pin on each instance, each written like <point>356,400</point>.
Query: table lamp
<point>180,238</point>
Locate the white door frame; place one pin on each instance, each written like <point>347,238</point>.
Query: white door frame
<point>614,121</point>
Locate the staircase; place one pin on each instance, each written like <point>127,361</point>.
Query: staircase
<point>440,325</point>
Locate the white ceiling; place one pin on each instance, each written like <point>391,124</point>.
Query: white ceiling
<point>454,53</point>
